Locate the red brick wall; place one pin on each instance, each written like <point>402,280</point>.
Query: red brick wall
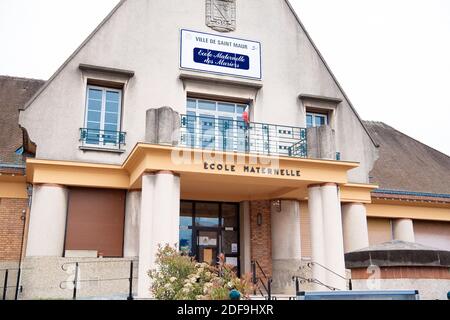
<point>11,228</point>
<point>261,237</point>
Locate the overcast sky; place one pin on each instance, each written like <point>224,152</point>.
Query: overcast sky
<point>392,57</point>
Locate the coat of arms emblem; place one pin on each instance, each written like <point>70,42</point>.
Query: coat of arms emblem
<point>221,15</point>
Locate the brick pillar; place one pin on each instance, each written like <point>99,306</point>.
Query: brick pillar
<point>261,235</point>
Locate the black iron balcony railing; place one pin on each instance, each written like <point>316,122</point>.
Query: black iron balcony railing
<point>102,138</point>
<point>223,134</point>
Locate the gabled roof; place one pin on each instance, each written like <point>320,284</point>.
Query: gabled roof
<point>104,21</point>
<point>331,73</point>
<point>406,164</point>
<point>14,93</point>
<point>289,6</point>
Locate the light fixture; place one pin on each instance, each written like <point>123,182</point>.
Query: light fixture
<point>259,219</point>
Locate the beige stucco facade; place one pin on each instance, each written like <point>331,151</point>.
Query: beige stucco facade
<point>324,207</point>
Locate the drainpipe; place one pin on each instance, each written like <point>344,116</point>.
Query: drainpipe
<point>24,219</point>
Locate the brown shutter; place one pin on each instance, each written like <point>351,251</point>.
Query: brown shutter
<point>96,220</point>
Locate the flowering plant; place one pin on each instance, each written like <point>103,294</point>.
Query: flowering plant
<point>179,277</point>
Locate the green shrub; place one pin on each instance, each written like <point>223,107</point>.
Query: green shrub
<point>179,277</point>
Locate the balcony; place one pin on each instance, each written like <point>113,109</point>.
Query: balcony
<point>221,134</point>
<point>103,140</point>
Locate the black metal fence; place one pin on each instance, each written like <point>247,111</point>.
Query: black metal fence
<point>222,134</point>
<point>77,281</point>
<point>11,284</point>
<point>102,138</point>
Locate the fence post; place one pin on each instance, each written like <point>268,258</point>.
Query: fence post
<point>254,280</point>
<point>75,283</point>
<point>5,285</point>
<point>269,287</point>
<point>19,274</point>
<point>130,295</point>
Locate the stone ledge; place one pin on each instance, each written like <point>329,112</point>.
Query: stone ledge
<point>119,151</point>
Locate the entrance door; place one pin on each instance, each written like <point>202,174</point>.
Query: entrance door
<point>208,229</point>
<point>207,246</point>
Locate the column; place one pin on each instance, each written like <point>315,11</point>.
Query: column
<point>404,230</point>
<point>317,236</point>
<point>159,223</point>
<point>145,236</point>
<point>47,227</point>
<point>245,238</point>
<point>132,217</point>
<point>286,246</point>
<point>354,222</point>
<point>334,243</point>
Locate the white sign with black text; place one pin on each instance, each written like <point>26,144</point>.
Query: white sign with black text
<point>223,55</point>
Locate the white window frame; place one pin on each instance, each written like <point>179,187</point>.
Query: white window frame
<point>213,114</point>
<point>316,114</point>
<point>103,113</point>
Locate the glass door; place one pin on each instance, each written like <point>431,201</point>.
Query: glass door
<point>207,246</point>
<point>209,229</point>
<point>216,125</point>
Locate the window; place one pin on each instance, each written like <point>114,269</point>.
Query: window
<point>216,125</point>
<point>316,119</point>
<point>103,112</point>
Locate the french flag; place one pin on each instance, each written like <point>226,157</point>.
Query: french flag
<point>246,115</point>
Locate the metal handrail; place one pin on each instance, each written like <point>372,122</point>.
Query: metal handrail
<point>310,280</point>
<point>312,263</point>
<point>76,280</point>
<point>220,134</point>
<point>64,265</point>
<point>256,280</point>
<point>102,138</point>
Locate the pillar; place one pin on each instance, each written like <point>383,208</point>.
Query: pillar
<point>334,242</point>
<point>245,237</point>
<point>321,143</point>
<point>286,246</point>
<point>354,223</point>
<point>404,230</point>
<point>47,227</point>
<point>317,236</point>
<point>159,222</point>
<point>132,217</point>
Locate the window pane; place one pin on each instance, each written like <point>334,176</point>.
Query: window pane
<point>229,215</point>
<point>320,121</point>
<point>186,241</point>
<point>112,106</point>
<point>207,105</point>
<point>95,94</point>
<point>226,107</point>
<point>94,116</point>
<point>93,125</point>
<point>207,214</point>
<point>240,109</point>
<point>95,105</point>
<point>230,242</point>
<point>111,118</point>
<point>111,127</point>
<point>112,96</point>
<point>309,121</point>
<point>208,132</point>
<point>191,104</point>
<point>186,212</point>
